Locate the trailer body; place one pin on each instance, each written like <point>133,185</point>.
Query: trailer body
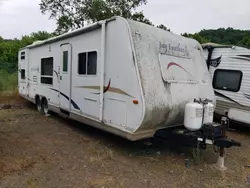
<point>229,70</point>
<point>118,75</point>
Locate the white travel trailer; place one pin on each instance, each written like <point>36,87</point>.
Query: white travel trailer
<point>118,75</point>
<point>229,69</point>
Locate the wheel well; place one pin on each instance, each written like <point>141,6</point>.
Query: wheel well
<point>37,98</point>
<point>44,99</point>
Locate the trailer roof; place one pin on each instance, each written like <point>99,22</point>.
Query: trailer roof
<point>216,45</point>
<point>67,35</point>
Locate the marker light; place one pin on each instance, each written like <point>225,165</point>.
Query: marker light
<point>135,101</point>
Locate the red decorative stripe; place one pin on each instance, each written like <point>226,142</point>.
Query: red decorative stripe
<point>108,86</point>
<point>177,65</point>
<point>105,88</point>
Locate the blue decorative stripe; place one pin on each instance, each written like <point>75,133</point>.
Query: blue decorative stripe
<point>72,102</point>
<point>246,95</point>
<point>241,58</point>
<point>247,56</point>
<point>56,74</point>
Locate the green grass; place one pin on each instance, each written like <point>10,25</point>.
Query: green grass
<point>9,88</point>
<point>8,82</point>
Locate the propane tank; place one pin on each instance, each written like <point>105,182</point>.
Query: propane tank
<point>208,113</point>
<point>193,116</point>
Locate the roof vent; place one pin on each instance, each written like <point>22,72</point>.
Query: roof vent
<point>37,42</point>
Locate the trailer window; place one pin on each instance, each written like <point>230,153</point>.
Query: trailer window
<point>229,80</point>
<point>92,63</point>
<point>65,61</point>
<point>87,63</point>
<point>46,80</point>
<point>23,74</point>
<point>47,70</point>
<point>22,55</point>
<point>82,57</point>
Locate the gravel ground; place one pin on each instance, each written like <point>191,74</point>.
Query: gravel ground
<point>38,151</point>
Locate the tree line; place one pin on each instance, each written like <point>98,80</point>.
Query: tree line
<point>9,58</point>
<point>227,36</point>
<point>9,49</point>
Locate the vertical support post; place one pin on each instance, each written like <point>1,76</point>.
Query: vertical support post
<point>102,68</point>
<point>221,159</point>
<point>71,74</point>
<point>27,72</point>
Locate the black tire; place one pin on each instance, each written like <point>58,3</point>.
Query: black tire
<point>38,104</point>
<point>45,106</point>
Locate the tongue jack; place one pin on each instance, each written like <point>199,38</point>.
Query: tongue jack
<point>221,159</point>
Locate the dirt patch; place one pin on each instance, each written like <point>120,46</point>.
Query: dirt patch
<point>37,151</point>
<point>12,100</point>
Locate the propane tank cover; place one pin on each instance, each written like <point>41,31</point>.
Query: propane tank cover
<point>208,113</point>
<point>193,116</point>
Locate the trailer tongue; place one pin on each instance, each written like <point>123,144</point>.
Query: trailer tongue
<point>187,138</point>
<point>209,133</point>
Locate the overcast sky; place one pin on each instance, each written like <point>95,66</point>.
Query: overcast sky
<point>21,17</point>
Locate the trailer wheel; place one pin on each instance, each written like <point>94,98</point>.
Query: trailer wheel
<point>38,104</point>
<point>45,106</point>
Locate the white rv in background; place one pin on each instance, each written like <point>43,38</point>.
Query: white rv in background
<point>118,75</point>
<point>229,67</point>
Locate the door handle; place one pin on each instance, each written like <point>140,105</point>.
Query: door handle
<point>60,77</point>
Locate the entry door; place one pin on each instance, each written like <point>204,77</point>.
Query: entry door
<point>65,77</point>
